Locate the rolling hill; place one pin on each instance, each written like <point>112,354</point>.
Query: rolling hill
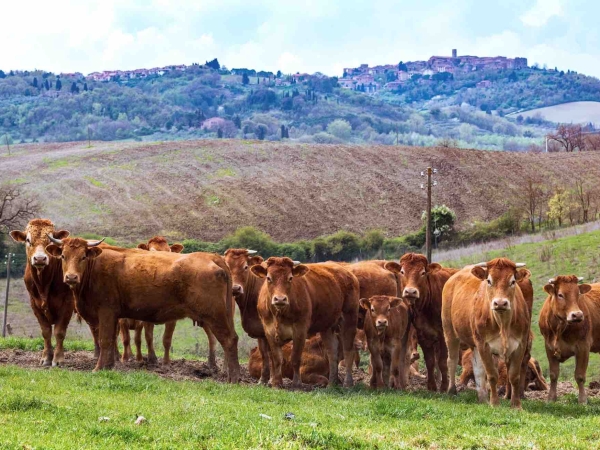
<point>572,112</point>
<point>207,189</point>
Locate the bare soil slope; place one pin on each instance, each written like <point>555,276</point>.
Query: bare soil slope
<point>207,189</point>
<point>572,112</point>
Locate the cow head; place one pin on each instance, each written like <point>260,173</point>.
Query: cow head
<point>380,307</point>
<point>500,276</point>
<point>160,244</point>
<point>564,292</point>
<point>36,239</point>
<point>414,269</point>
<point>240,260</point>
<point>280,273</point>
<point>74,253</point>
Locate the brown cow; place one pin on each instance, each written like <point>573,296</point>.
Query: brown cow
<point>51,300</point>
<point>570,324</point>
<point>246,287</point>
<point>534,379</point>
<point>110,283</point>
<point>483,309</point>
<point>386,326</point>
<point>422,285</point>
<point>298,300</point>
<point>158,244</point>
<point>314,365</point>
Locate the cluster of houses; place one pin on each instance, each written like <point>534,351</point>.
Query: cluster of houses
<point>391,76</point>
<point>108,75</point>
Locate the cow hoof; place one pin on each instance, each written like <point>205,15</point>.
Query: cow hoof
<point>56,363</point>
<point>452,390</point>
<point>348,384</point>
<point>46,362</point>
<point>153,361</point>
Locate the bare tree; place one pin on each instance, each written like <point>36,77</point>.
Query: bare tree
<point>15,208</point>
<point>584,195</point>
<point>534,195</point>
<point>569,137</point>
<point>592,142</point>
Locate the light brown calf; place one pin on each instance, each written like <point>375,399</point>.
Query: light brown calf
<point>386,324</point>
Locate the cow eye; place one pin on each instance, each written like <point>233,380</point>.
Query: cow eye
<point>423,273</point>
<point>62,256</point>
<point>402,271</point>
<point>489,282</point>
<point>269,279</point>
<point>245,267</point>
<point>28,241</point>
<point>290,278</point>
<point>373,310</point>
<point>561,296</point>
<point>83,258</point>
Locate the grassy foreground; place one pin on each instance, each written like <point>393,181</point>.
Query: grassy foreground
<point>61,409</point>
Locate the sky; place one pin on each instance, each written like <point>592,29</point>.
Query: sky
<point>293,36</point>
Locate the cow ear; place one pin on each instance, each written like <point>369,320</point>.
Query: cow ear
<point>364,303</point>
<point>522,274</point>
<point>93,252</point>
<point>393,267</point>
<point>253,260</point>
<point>60,234</point>
<point>300,270</point>
<point>176,248</point>
<point>143,246</point>
<point>584,288</point>
<point>259,271</point>
<point>18,236</point>
<point>226,251</point>
<point>433,268</point>
<point>479,272</point>
<point>395,302</point>
<point>549,288</point>
<point>54,250</point>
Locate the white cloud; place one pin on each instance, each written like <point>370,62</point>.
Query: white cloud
<point>542,11</point>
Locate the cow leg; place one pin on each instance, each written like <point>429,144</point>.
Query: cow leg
<point>126,340</point>
<point>276,358</point>
<point>94,331</point>
<point>60,331</point>
<point>299,339</point>
<point>376,363</point>
<point>554,369</point>
<point>168,339</point>
<point>107,335</point>
<point>149,334</point>
<point>117,355</point>
<point>330,342</point>
<point>442,364</point>
<point>46,327</point>
<point>212,344</point>
<point>397,380</point>
<point>228,339</point>
<point>429,354</point>
<point>524,366</point>
<point>387,365</point>
<point>348,335</point>
<point>263,348</point>
<point>581,362</point>
<point>514,368</point>
<point>137,339</point>
<point>479,375</point>
<point>491,371</point>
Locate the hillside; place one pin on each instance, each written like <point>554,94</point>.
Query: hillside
<point>207,189</point>
<point>468,107</point>
<point>573,112</point>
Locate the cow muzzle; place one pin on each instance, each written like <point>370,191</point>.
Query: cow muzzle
<point>410,294</point>
<point>237,289</point>
<point>39,260</point>
<point>575,317</point>
<point>279,301</point>
<point>381,325</point>
<point>72,279</point>
<point>500,305</point>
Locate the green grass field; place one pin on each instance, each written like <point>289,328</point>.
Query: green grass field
<point>61,408</point>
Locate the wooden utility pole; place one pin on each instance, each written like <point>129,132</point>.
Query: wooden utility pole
<point>7,145</point>
<point>428,173</point>
<point>8,259</point>
<point>89,143</point>
<point>396,134</point>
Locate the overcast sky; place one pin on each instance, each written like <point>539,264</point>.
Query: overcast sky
<point>292,36</point>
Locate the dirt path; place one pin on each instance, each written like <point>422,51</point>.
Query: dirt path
<point>191,370</point>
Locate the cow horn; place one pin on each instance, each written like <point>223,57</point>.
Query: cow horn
<point>296,262</point>
<point>551,281</point>
<point>580,279</point>
<point>520,265</point>
<point>482,264</point>
<point>95,243</point>
<point>251,252</point>
<point>54,240</point>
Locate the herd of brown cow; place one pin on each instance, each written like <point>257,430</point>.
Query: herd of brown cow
<point>309,319</point>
